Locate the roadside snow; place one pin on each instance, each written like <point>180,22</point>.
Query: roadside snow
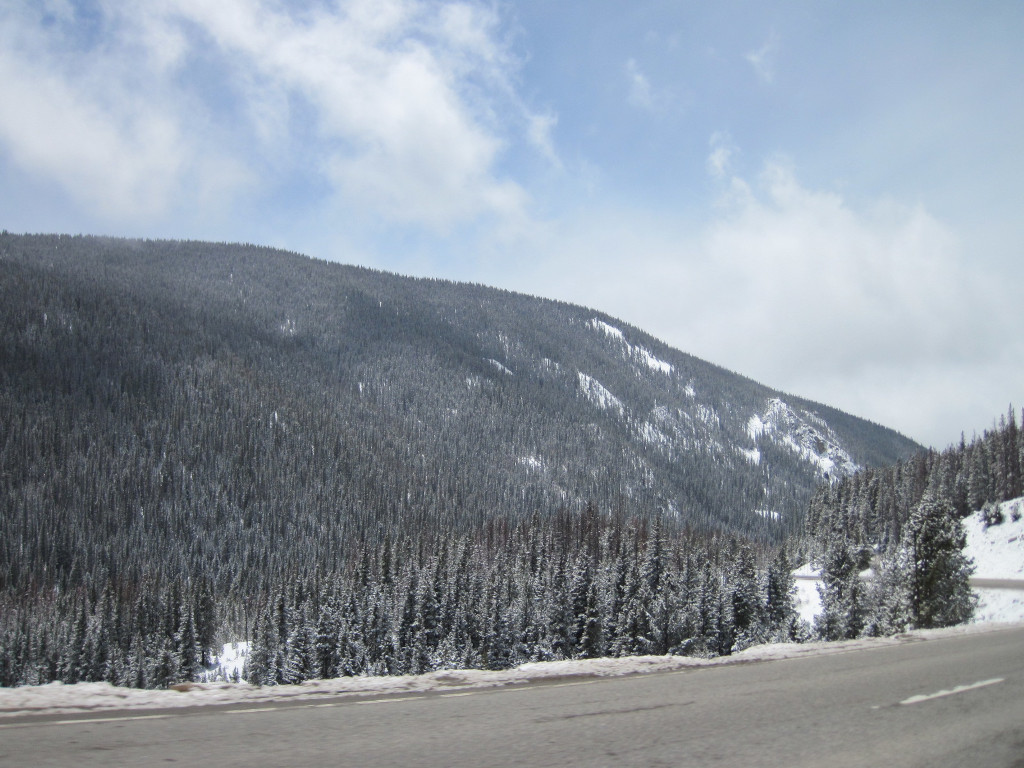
<point>999,605</point>
<point>56,698</point>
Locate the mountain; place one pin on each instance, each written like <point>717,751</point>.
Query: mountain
<point>175,405</point>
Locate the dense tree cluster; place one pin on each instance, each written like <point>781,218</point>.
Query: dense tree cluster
<point>145,635</point>
<point>871,507</point>
<point>566,587</point>
<point>557,587</point>
<point>905,520</point>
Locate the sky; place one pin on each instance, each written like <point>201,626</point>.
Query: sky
<point>824,196</point>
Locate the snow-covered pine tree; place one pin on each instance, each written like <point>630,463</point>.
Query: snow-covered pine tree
<point>935,568</point>
<point>843,594</point>
<point>780,590</point>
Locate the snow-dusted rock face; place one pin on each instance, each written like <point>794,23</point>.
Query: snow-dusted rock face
<point>805,433</point>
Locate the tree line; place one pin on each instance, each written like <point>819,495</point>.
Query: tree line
<point>564,586</point>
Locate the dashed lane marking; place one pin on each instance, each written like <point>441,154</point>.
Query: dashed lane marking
<point>952,691</point>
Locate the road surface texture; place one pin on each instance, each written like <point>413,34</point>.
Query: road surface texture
<point>948,702</point>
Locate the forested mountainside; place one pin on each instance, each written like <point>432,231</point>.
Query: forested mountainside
<point>186,426</point>
<point>905,521</point>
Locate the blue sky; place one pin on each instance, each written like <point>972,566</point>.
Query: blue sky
<point>825,196</point>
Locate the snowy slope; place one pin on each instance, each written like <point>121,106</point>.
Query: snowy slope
<point>998,551</point>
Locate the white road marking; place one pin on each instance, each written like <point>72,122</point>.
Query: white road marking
<point>952,691</point>
<point>249,709</point>
<point>84,721</point>
<point>388,700</point>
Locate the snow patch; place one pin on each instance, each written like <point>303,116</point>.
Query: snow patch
<point>753,456</point>
<point>807,599</point>
<point>608,330</point>
<point>641,354</point>
<point>652,362</point>
<point>707,415</point>
<point>229,664</point>
<point>997,551</point>
<point>651,435</point>
<point>596,393</point>
<point>499,366</point>
<point>768,514</point>
<point>534,463</point>
<point>999,606</point>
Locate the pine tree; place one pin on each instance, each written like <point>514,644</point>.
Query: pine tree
<point>935,568</point>
<point>781,614</point>
<point>843,595</point>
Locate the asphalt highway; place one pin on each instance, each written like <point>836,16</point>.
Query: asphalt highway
<point>947,702</point>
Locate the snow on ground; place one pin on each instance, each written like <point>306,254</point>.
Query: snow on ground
<point>997,551</point>
<point>229,664</point>
<point>999,605</point>
<point>607,329</point>
<point>56,698</point>
<point>532,462</point>
<point>807,599</point>
<point>753,455</point>
<point>804,433</point>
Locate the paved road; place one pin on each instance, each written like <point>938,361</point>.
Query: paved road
<point>997,583</point>
<point>950,702</point>
<point>973,581</point>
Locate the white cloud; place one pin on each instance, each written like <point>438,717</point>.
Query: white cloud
<point>399,105</point>
<point>719,162</point>
<point>844,288</point>
<point>116,149</point>
<point>539,131</point>
<point>640,92</point>
<point>763,58</point>
<point>806,292</point>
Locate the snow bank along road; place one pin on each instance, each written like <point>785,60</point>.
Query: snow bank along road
<point>951,700</point>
